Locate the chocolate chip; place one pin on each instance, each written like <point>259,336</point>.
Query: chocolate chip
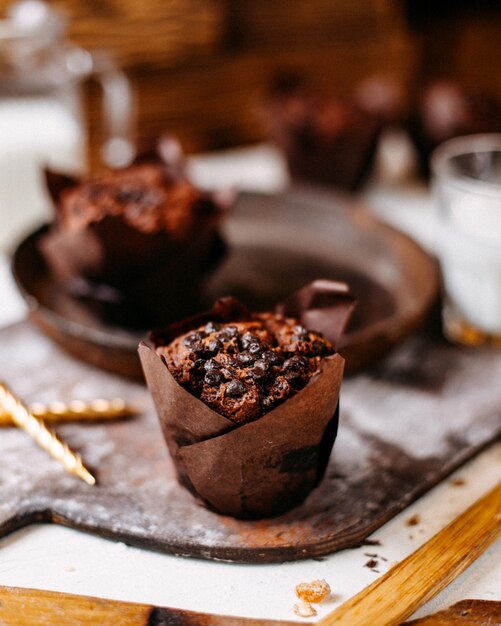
<point>189,340</point>
<point>193,341</point>
<point>267,402</point>
<point>235,389</point>
<point>255,348</point>
<point>231,348</point>
<point>245,358</point>
<point>210,365</point>
<point>213,378</point>
<point>271,357</point>
<point>215,345</point>
<point>212,327</point>
<point>293,376</point>
<point>259,370</point>
<point>295,364</point>
<point>197,369</point>
<point>280,386</point>
<point>228,333</point>
<point>247,339</point>
<point>319,347</point>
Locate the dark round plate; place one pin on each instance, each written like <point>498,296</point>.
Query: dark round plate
<point>277,243</point>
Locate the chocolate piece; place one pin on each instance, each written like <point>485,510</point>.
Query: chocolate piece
<point>325,305</point>
<point>269,461</point>
<point>326,139</point>
<point>119,235</point>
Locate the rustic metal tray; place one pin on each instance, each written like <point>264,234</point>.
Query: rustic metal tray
<point>405,424</point>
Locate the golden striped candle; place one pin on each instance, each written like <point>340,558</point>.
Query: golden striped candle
<point>77,411</point>
<point>44,436</point>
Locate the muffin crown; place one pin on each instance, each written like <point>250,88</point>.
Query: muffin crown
<point>243,369</point>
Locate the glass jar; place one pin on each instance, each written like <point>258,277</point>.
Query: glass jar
<point>41,113</point>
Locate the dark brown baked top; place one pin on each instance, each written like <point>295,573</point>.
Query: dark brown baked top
<point>313,117</point>
<point>144,195</point>
<point>244,369</point>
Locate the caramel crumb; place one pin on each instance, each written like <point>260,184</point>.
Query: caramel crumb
<point>458,482</point>
<point>304,609</point>
<point>413,521</point>
<point>316,591</point>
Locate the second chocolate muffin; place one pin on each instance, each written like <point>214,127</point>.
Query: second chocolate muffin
<point>136,243</point>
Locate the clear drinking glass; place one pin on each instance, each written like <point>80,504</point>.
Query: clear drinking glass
<point>467,184</point>
<point>41,118</point>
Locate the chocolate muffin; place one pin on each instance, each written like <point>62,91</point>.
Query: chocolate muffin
<point>326,139</point>
<point>121,237</point>
<point>141,195</point>
<point>244,369</point>
<point>248,405</point>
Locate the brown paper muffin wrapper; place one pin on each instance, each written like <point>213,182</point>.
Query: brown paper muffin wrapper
<point>142,294</point>
<point>256,470</point>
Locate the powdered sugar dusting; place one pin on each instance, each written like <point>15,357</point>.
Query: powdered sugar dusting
<point>423,420</point>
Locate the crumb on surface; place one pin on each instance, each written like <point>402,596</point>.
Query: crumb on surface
<point>371,564</point>
<point>458,482</point>
<point>414,520</point>
<point>304,609</point>
<point>316,591</point>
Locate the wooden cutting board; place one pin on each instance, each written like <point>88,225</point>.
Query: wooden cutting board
<point>405,425</point>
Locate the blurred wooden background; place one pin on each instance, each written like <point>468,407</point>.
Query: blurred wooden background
<point>201,67</point>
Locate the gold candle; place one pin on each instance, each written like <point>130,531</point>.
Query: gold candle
<point>77,410</point>
<point>44,437</point>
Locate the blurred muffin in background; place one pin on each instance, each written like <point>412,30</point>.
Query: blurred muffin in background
<point>134,243</point>
<point>326,139</point>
